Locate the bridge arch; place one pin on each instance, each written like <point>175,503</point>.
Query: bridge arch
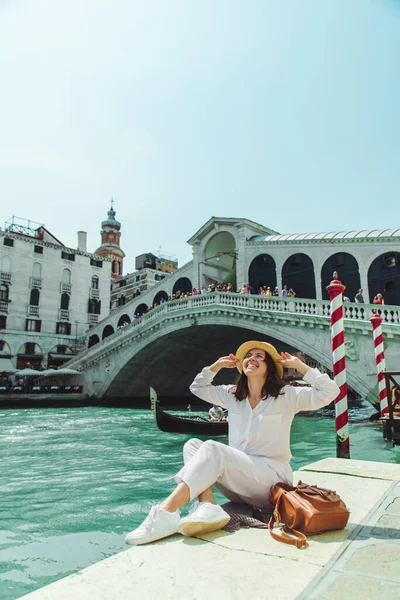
<point>141,309</point>
<point>262,272</point>
<point>183,284</point>
<point>93,340</point>
<point>123,320</point>
<point>161,295</point>
<point>384,277</point>
<point>298,273</point>
<point>219,264</point>
<point>108,330</point>
<point>347,267</point>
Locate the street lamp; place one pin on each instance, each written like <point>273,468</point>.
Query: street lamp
<point>217,257</point>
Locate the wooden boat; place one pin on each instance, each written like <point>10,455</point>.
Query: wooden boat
<point>191,425</point>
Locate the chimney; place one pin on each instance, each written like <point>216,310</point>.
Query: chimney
<point>82,241</point>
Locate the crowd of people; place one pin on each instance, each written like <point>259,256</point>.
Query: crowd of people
<point>246,288</point>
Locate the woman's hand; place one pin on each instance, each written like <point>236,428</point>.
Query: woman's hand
<point>225,362</point>
<point>292,362</point>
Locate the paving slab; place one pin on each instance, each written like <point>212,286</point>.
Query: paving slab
<point>250,564</point>
<point>358,468</point>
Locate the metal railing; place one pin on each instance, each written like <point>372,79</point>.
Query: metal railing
<point>3,306</point>
<point>33,310</point>
<point>65,287</point>
<point>4,276</point>
<point>35,282</point>
<point>93,319</point>
<point>63,314</point>
<point>94,293</point>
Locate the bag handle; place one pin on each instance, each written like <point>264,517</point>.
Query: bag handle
<point>299,540</point>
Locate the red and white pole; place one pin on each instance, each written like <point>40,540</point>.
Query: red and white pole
<point>376,321</point>
<point>335,289</point>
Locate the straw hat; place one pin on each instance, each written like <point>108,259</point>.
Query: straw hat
<point>268,348</point>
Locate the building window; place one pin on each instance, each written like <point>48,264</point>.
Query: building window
<point>95,282</point>
<point>67,255</point>
<point>4,292</point>
<point>32,325</point>
<point>94,306</point>
<point>34,297</point>
<point>96,263</point>
<point>3,322</point>
<point>8,242</point>
<point>38,249</point>
<point>63,328</point>
<point>64,304</point>
<point>30,348</point>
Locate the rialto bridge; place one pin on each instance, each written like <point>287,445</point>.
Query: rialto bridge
<point>169,344</point>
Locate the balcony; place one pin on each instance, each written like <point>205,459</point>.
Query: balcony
<point>63,315</point>
<point>33,310</point>
<point>5,277</point>
<point>3,306</point>
<point>93,319</point>
<point>65,288</point>
<point>35,282</point>
<point>94,293</point>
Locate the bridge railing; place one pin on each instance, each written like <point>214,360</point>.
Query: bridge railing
<point>294,306</point>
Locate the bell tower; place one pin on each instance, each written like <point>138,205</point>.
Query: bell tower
<point>110,238</point>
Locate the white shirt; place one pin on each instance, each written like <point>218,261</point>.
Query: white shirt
<point>265,430</point>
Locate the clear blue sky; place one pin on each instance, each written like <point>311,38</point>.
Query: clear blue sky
<point>285,112</point>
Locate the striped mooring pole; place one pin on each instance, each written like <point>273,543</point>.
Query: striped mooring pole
<point>376,321</point>
<point>335,289</point>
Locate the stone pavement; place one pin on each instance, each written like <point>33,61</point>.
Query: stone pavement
<point>361,561</point>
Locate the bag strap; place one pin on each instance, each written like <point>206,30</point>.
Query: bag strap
<point>299,540</point>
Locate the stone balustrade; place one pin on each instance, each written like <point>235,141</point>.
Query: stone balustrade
<point>294,307</point>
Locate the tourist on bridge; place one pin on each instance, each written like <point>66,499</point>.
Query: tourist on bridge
<point>378,299</point>
<point>285,292</point>
<point>261,410</point>
<point>359,298</point>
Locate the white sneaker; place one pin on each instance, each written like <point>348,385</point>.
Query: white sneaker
<point>203,517</point>
<point>158,524</point>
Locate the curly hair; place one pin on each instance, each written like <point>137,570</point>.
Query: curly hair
<point>272,385</point>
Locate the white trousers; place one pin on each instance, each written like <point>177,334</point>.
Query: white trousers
<point>240,477</point>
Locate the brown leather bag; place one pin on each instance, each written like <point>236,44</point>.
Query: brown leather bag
<point>305,509</point>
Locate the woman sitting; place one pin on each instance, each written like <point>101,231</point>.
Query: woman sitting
<point>261,410</point>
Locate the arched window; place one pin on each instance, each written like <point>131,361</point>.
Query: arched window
<point>384,277</point>
<point>298,274</point>
<point>115,267</point>
<point>347,267</point>
<point>66,276</point>
<point>34,297</point>
<point>160,298</point>
<point>4,292</point>
<point>123,320</point>
<point>108,330</point>
<point>262,272</point>
<point>94,339</point>
<point>183,284</point>
<point>64,304</point>
<point>6,264</point>
<point>95,282</point>
<point>37,270</point>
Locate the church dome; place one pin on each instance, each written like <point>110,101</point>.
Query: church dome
<point>111,224</point>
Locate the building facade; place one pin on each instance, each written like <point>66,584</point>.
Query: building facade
<point>49,295</point>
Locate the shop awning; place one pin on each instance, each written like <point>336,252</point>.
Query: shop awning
<point>6,366</point>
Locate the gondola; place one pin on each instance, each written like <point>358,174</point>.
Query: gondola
<point>191,425</point>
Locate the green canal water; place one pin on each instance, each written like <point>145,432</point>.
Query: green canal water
<point>74,481</point>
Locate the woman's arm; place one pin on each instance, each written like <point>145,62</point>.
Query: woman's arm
<point>322,392</point>
<point>214,394</point>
